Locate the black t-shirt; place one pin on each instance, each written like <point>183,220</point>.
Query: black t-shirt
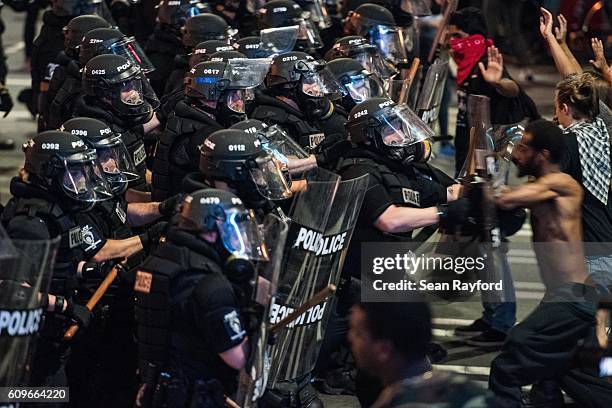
<point>213,313</point>
<point>596,216</point>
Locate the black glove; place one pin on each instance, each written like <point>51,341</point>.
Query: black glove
<point>454,213</point>
<point>152,235</point>
<point>6,102</point>
<point>169,206</point>
<point>78,313</point>
<point>97,270</point>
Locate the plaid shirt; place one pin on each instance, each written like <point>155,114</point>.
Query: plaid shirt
<point>594,150</point>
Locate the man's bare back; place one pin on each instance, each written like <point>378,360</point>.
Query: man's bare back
<point>555,201</point>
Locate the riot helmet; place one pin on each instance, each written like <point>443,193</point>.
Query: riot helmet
<point>273,139</point>
<point>359,83</point>
<point>358,48</point>
<point>378,25</point>
<point>239,159</point>
<point>220,211</point>
<point>102,41</point>
<point>175,13</point>
<point>113,156</point>
<point>295,26</point>
<point>391,130</point>
<point>203,50</point>
<point>224,88</point>
<point>297,69</point>
<point>77,28</point>
<point>62,163</point>
<point>120,85</point>
<point>225,56</point>
<point>205,27</point>
<point>250,46</point>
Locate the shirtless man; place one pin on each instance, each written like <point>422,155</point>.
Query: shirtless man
<point>540,350</point>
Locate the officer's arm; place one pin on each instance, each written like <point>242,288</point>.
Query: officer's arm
<point>236,356</point>
<point>139,214</point>
<point>153,124</point>
<point>118,248</point>
<point>404,219</point>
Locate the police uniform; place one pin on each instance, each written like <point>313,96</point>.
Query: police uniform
<point>64,88</point>
<point>162,47</point>
<point>187,314</point>
<point>177,152</point>
<point>174,81</point>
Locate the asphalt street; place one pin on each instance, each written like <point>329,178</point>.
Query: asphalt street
<point>474,362</point>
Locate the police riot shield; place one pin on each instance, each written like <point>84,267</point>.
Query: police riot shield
<point>430,97</point>
<point>313,259</point>
<point>505,137</point>
<point>25,275</point>
<point>254,376</point>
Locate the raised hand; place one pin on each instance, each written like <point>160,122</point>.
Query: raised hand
<point>495,66</point>
<point>600,61</point>
<point>546,23</point>
<point>561,31</point>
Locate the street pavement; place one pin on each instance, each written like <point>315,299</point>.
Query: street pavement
<point>463,359</point>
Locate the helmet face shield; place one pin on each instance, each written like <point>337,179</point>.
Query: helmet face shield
<point>400,127</point>
<point>318,82</point>
<point>319,14</point>
<point>270,178</point>
<point>131,50</point>
<point>364,86</point>
<point>308,33</point>
<point>82,179</point>
<point>373,62</point>
<point>391,43</point>
<point>238,98</point>
<point>276,141</point>
<point>116,164</point>
<point>130,92</point>
<point>278,40</point>
<point>240,234</point>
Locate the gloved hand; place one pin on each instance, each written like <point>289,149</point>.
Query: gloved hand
<point>78,313</point>
<point>454,213</point>
<point>152,235</point>
<point>6,102</point>
<point>97,270</point>
<point>169,206</point>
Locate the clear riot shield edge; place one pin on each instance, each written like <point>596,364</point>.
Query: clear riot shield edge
<point>25,275</point>
<point>314,259</point>
<point>430,97</point>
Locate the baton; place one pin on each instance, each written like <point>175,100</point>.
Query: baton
<point>315,300</point>
<point>93,301</point>
<point>230,403</point>
<point>451,5</point>
<point>409,78</point>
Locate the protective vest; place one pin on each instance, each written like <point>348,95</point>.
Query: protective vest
<point>58,223</point>
<point>63,93</point>
<point>305,134</point>
<point>172,161</point>
<point>163,284</point>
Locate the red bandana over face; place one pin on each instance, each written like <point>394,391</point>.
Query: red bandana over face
<point>467,52</point>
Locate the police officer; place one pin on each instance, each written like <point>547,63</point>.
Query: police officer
<point>165,42</point>
<point>58,103</point>
<point>46,46</point>
<point>205,49</point>
<point>209,105</point>
<point>197,29</point>
<point>358,48</point>
<point>298,98</point>
<point>112,329</point>
<point>286,13</point>
<point>392,146</point>
<point>358,83</point>
<point>61,181</point>
<point>116,92</point>
<point>191,294</point>
<point>250,46</point>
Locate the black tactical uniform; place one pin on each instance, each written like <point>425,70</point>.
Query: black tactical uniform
<point>104,78</point>
<point>188,305</point>
<point>45,48</point>
<point>193,120</point>
<point>61,186</point>
<point>306,113</point>
<point>165,42</point>
<point>197,29</point>
<point>65,84</point>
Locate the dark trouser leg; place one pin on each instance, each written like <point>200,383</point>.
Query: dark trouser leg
<point>541,347</point>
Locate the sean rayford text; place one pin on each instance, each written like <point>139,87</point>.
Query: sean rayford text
<point>411,263</point>
<point>423,285</point>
